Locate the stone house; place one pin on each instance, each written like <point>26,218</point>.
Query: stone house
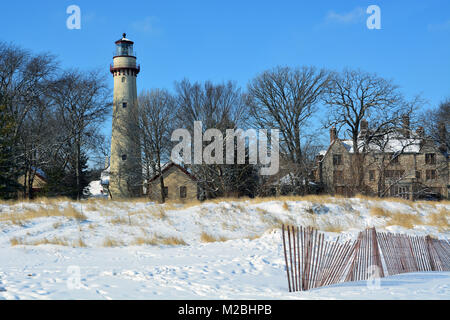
<point>399,164</point>
<point>179,184</point>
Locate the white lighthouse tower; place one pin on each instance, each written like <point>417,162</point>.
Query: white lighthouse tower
<point>125,162</point>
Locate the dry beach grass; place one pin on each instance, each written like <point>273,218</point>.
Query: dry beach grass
<point>136,219</point>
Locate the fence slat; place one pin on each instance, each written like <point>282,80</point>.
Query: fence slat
<point>285,257</point>
<point>311,261</point>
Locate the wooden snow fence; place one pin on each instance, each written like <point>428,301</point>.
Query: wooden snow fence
<point>311,261</point>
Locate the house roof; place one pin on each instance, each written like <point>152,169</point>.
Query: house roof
<point>169,165</point>
<point>389,143</point>
<point>104,177</point>
<point>41,174</point>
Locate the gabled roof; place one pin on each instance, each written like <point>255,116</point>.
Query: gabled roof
<point>169,165</point>
<point>323,153</point>
<point>38,172</point>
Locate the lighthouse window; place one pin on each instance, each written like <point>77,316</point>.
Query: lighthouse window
<point>124,157</point>
<point>124,104</point>
<point>123,79</point>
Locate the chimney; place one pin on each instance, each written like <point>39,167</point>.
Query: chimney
<point>364,127</point>
<point>442,137</point>
<point>333,134</point>
<point>405,125</point>
<point>420,132</point>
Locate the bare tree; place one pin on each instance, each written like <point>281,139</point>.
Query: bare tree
<point>100,146</point>
<point>157,112</point>
<point>354,96</point>
<point>218,106</point>
<point>38,140</point>
<point>383,151</point>
<point>24,79</point>
<point>285,98</point>
<point>82,101</point>
<point>436,122</point>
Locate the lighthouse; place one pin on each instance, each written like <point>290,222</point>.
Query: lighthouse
<point>125,162</point>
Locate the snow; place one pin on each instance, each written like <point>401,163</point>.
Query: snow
<point>290,179</point>
<point>404,145</point>
<point>95,189</point>
<point>236,269</point>
<point>104,177</point>
<point>250,265</point>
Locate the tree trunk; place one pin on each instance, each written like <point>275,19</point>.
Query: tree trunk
<point>161,182</point>
<point>78,171</point>
<point>161,178</point>
<point>30,184</point>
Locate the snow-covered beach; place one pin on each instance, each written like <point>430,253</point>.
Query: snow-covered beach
<point>213,250</point>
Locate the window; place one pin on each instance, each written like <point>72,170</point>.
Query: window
<point>124,157</point>
<point>399,191</point>
<point>123,79</point>
<point>372,175</point>
<point>124,105</point>
<point>166,192</point>
<point>431,174</point>
<point>388,174</point>
<point>430,158</point>
<point>337,159</point>
<point>338,176</point>
<point>182,192</point>
<point>393,174</point>
<point>418,174</point>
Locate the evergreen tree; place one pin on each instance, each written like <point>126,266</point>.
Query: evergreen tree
<point>8,170</point>
<point>62,179</point>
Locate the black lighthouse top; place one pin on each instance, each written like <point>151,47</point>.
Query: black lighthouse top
<point>124,47</point>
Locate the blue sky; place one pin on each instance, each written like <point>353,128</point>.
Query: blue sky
<point>236,40</point>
